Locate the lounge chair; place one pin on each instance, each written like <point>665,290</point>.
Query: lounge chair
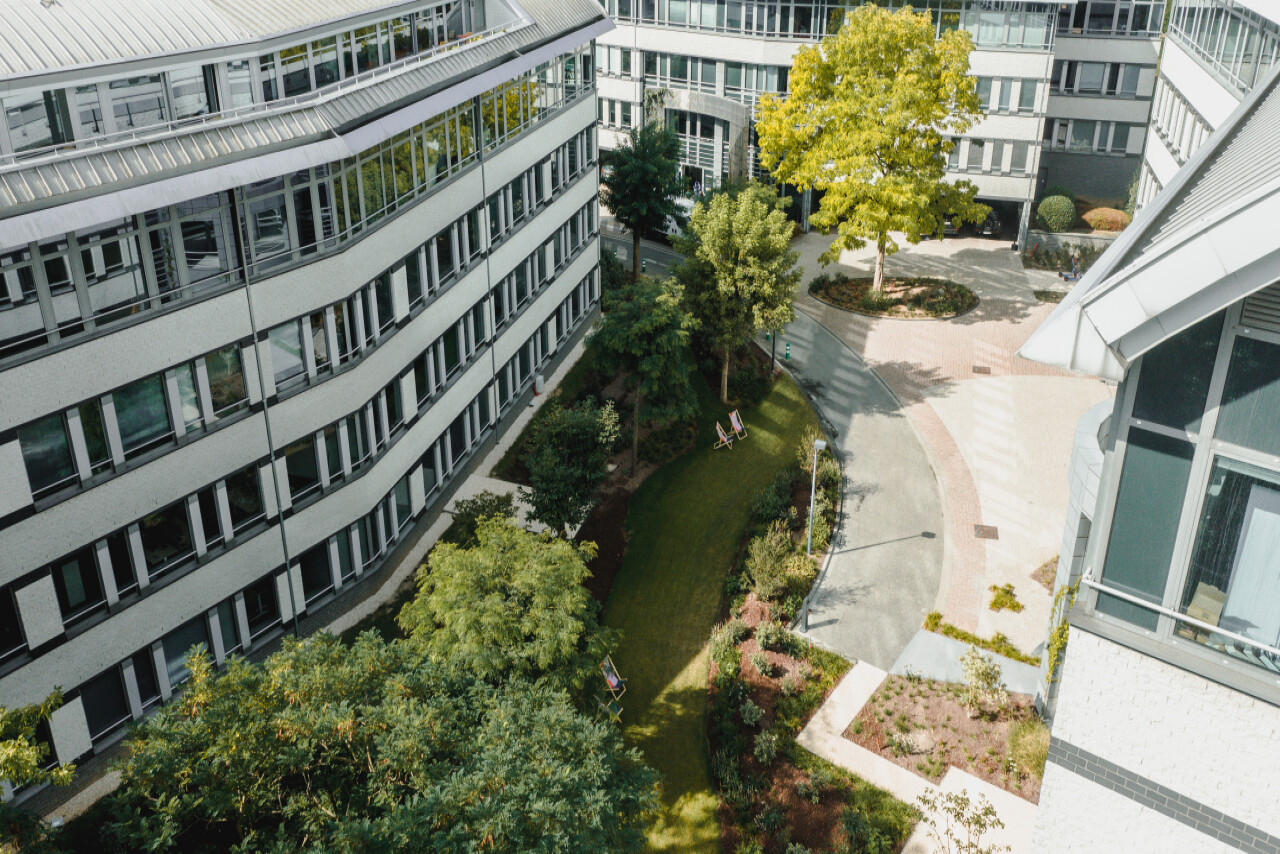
<point>735,421</point>
<point>616,684</point>
<point>724,438</point>
<point>612,708</point>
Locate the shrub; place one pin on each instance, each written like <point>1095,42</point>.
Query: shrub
<point>821,528</point>
<point>766,561</point>
<point>1029,745</point>
<point>1056,213</point>
<point>751,713</point>
<point>1059,191</point>
<point>829,473</point>
<point>761,663</point>
<point>771,636</point>
<point>724,645</point>
<point>796,848</point>
<point>791,686</point>
<point>748,386</point>
<point>984,685</point>
<point>1004,597</point>
<point>770,505</point>
<point>804,450</point>
<point>612,278</point>
<point>749,846</point>
<point>1107,219</point>
<point>862,837</point>
<point>469,511</point>
<point>669,442</point>
<point>766,748</point>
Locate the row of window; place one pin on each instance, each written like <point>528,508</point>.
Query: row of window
<point>66,286</point>
<point>801,19</point>
<point>127,690</point>
<point>993,156</point>
<point>1007,94</point>
<point>616,114</point>
<point>80,446</point>
<point>35,120</point>
<point>1113,79</point>
<point>1111,17</point>
<point>1177,123</point>
<point>1239,44</point>
<point>1089,135</point>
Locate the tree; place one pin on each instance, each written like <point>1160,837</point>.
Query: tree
<point>568,462</point>
<point>511,606</point>
<point>870,120</point>
<point>741,276</point>
<point>641,189</point>
<point>468,512</point>
<point>958,823</point>
<point>372,747</point>
<point>22,757</point>
<point>646,334</point>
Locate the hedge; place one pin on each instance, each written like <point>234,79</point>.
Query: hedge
<point>1107,219</point>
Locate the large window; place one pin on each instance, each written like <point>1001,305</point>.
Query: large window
<point>105,703</point>
<point>180,643</point>
<point>46,450</point>
<point>142,415</point>
<point>166,538</point>
<point>78,585</point>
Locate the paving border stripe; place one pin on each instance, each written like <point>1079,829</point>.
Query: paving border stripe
<point>1199,816</point>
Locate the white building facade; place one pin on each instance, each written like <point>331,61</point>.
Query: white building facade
<point>1071,80</point>
<point>1215,53</point>
<point>269,276</point>
<point>1166,706</point>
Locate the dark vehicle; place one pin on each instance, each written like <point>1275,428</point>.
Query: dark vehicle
<point>990,226</point>
<point>949,227</point>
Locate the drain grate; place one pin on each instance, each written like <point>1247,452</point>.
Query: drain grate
<point>986,532</point>
<point>981,369</point>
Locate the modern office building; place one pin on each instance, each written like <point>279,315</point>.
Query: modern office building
<point>1165,715</point>
<point>1215,52</point>
<point>270,273</point>
<point>1066,87</point>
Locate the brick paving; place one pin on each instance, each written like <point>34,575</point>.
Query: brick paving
<point>919,359</point>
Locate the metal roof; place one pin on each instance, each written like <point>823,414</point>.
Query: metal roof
<point>260,18</point>
<point>1208,239</point>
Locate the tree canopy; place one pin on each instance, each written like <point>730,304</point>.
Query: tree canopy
<point>568,461</point>
<point>741,275</point>
<point>22,759</point>
<point>645,333</point>
<point>511,606</point>
<point>641,187</point>
<point>871,116</point>
<point>374,748</point>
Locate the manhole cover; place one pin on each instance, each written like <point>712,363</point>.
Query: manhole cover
<point>981,369</point>
<point>986,532</point>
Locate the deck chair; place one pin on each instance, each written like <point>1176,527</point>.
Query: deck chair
<point>616,684</point>
<point>612,708</point>
<point>735,421</point>
<point>724,438</point>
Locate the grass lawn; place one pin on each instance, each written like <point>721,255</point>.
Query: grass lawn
<point>685,523</point>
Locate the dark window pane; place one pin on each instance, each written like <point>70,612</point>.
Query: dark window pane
<point>1174,379</point>
<point>300,463</point>
<point>1251,400</point>
<point>166,538</point>
<point>209,523</point>
<point>1153,483</point>
<point>314,568</point>
<point>452,353</point>
<point>333,453</point>
<point>11,638</point>
<point>144,671</point>
<point>413,273</point>
<point>345,565</point>
<point>179,644</point>
<point>47,453</point>
<point>105,704</point>
<point>287,364</point>
<point>142,415</point>
<point>404,510</point>
<point>226,380</point>
<point>260,606</point>
<point>75,578</point>
<point>245,498</point>
<point>382,293</point>
<point>227,626</point>
<point>95,437</point>
<point>121,562</point>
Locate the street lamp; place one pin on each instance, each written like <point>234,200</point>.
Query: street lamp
<point>818,446</point>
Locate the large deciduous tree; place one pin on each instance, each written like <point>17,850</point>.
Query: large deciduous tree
<point>568,462</point>
<point>871,116</point>
<point>741,274</point>
<point>641,187</point>
<point>374,748</point>
<point>645,333</point>
<point>513,605</point>
<point>22,760</point>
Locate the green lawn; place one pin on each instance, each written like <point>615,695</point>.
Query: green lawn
<point>685,523</point>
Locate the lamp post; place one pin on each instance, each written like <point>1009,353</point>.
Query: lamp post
<point>818,446</point>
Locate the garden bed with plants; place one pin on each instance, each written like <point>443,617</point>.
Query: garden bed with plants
<point>900,298</point>
<point>924,726</point>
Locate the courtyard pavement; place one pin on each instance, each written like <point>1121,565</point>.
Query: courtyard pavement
<point>996,429</point>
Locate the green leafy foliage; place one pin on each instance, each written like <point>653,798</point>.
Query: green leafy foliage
<point>872,137</point>
<point>740,274</point>
<point>766,748</point>
<point>1004,597</point>
<point>511,606</point>
<point>997,643</point>
<point>1056,213</point>
<point>567,462</point>
<point>751,713</point>
<point>468,512</point>
<point>372,747</point>
<point>767,561</point>
<point>22,756</point>
<point>641,188</point>
<point>612,276</point>
<point>958,822</point>
<point>645,334</point>
<point>772,502</point>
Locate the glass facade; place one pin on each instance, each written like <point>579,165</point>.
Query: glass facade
<point>1238,44</point>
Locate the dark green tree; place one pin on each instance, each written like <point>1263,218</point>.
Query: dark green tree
<point>374,748</point>
<point>645,333</point>
<point>568,462</point>
<point>513,605</point>
<point>642,187</point>
<point>468,512</point>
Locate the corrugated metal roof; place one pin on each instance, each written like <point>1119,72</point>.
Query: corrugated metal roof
<point>262,18</point>
<point>36,37</point>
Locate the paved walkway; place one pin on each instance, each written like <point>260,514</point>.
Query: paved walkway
<point>824,736</point>
<point>886,562</point>
<point>997,428</point>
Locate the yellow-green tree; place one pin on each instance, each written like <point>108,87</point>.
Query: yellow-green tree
<point>870,120</point>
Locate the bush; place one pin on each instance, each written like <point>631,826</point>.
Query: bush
<point>749,846</point>
<point>862,836</point>
<point>748,386</point>
<point>829,473</point>
<point>1107,219</point>
<point>984,685</point>
<point>724,645</point>
<point>791,686</point>
<point>821,528</point>
<point>769,506</point>
<point>804,450</point>
<point>667,443</point>
<point>1029,745</point>
<point>772,637</point>
<point>469,511</point>
<point>1056,213</point>
<point>766,561</point>
<point>1059,191</point>
<point>766,748</point>
<point>762,664</point>
<point>796,848</point>
<point>612,278</point>
<point>751,713</point>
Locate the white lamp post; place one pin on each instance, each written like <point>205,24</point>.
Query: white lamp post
<point>818,445</point>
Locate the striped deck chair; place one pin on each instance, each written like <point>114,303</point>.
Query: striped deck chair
<point>616,684</point>
<point>612,708</point>
<point>735,421</point>
<point>724,438</point>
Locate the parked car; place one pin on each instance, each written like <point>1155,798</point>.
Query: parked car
<point>990,226</point>
<point>949,227</point>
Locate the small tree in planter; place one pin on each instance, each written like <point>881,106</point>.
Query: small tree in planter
<point>984,685</point>
<point>958,823</point>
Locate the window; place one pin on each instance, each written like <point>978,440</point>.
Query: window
<point>313,566</point>
<point>1174,378</point>
<point>1027,96</point>
<point>180,643</point>
<point>46,450</point>
<point>144,673</point>
<point>12,640</point>
<point>287,362</point>
<point>118,553</point>
<point>142,416</point>
<point>260,606</point>
<point>404,511</point>
<point>1082,133</point>
<point>226,381</point>
<point>976,147</point>
<point>1250,406</point>
<point>166,538</point>
<point>244,495</point>
<point>303,470</point>
<point>1018,163</point>
<point>210,526</point>
<point>37,120</point>
<point>1119,138</point>
<point>188,397</point>
<point>77,584</point>
<point>1091,74</point>
<point>105,703</point>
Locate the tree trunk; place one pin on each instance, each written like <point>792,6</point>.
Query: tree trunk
<point>877,284</point>
<point>635,255</point>
<point>635,434</point>
<point>724,379</point>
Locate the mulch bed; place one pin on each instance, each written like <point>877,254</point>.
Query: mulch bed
<point>923,726</point>
<point>910,298</point>
<point>1046,573</point>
